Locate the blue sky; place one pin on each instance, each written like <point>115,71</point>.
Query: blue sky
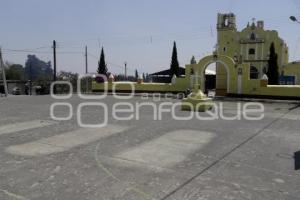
<point>139,32</point>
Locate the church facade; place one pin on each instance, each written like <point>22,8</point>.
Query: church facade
<point>251,45</point>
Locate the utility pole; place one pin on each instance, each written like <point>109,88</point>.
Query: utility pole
<point>86,70</point>
<point>54,65</point>
<point>54,60</point>
<point>125,70</point>
<point>86,60</point>
<point>30,76</point>
<point>3,74</point>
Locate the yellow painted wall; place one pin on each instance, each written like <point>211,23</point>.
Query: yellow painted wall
<point>253,87</point>
<point>221,80</point>
<point>180,86</point>
<point>281,90</point>
<point>293,69</point>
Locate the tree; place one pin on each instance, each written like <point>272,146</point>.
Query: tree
<point>148,78</point>
<point>174,68</point>
<point>273,72</point>
<point>136,74</point>
<point>38,69</point>
<point>71,77</point>
<point>144,77</point>
<point>14,72</point>
<point>193,61</point>
<point>102,67</point>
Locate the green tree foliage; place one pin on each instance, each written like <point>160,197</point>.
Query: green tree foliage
<point>144,76</point>
<point>102,67</point>
<point>136,74</point>
<point>38,69</point>
<point>72,78</point>
<point>14,72</point>
<point>63,75</point>
<point>174,68</point>
<point>148,78</point>
<point>193,60</point>
<point>273,72</point>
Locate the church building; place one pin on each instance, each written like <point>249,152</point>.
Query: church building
<point>251,45</point>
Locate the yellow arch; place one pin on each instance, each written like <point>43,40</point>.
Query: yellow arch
<point>226,61</point>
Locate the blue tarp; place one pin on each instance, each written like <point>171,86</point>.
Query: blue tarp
<point>287,80</point>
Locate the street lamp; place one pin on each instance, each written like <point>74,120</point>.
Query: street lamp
<point>294,19</point>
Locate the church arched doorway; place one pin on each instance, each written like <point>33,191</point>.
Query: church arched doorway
<point>225,74</point>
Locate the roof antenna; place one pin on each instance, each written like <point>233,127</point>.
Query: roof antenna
<point>211,31</point>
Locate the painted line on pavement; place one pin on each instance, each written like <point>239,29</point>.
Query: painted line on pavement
<point>64,142</point>
<point>22,126</point>
<point>13,196</point>
<point>169,149</point>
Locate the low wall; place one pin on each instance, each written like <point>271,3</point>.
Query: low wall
<point>180,86</point>
<point>281,90</point>
<point>249,88</point>
<point>254,88</point>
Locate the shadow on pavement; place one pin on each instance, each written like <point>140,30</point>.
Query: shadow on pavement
<point>297,160</point>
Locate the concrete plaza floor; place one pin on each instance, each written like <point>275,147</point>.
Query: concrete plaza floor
<point>166,159</point>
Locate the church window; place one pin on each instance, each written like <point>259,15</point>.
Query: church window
<point>253,72</point>
<point>251,51</point>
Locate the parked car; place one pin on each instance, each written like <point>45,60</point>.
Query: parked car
<point>16,91</point>
<point>37,89</point>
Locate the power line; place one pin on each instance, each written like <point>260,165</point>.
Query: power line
<point>112,64</point>
<point>41,52</point>
<point>139,38</point>
<point>201,32</point>
<point>31,49</point>
<point>92,55</point>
